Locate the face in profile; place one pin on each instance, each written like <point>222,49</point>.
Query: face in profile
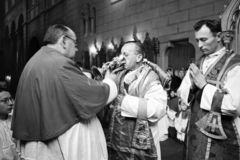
<point>207,42</point>
<point>131,56</point>
<point>71,45</point>
<point>6,103</point>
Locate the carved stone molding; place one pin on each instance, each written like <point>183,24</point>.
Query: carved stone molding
<point>230,19</point>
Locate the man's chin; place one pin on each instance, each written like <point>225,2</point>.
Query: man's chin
<point>205,52</point>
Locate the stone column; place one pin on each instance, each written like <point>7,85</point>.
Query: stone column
<point>5,57</point>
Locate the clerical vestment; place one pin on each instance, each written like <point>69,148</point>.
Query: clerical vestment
<point>214,126</point>
<point>56,107</point>
<point>131,136</point>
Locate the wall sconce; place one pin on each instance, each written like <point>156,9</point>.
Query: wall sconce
<point>95,45</point>
<point>114,45</point>
<point>135,34</point>
<point>8,80</point>
<point>112,50</point>
<point>94,49</point>
<point>110,46</point>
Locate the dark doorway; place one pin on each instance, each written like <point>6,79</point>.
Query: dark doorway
<point>181,54</point>
<point>87,60</point>
<point>34,47</point>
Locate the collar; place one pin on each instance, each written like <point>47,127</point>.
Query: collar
<point>133,75</point>
<point>216,54</point>
<point>136,71</point>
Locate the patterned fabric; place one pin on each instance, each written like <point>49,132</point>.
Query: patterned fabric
<point>142,135</point>
<point>202,146</point>
<point>134,139</point>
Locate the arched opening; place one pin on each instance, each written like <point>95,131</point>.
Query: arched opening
<point>3,52</point>
<point>94,20</point>
<point>84,25</point>
<point>181,54</point>
<point>6,6</point>
<point>13,58</point>
<point>19,53</point>
<point>5,59</point>
<point>86,59</point>
<point>89,19</point>
<point>13,28</point>
<point>34,47</point>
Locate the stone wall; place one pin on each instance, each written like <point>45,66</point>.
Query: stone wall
<point>168,20</point>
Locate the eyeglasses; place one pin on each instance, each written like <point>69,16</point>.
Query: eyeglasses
<point>6,100</point>
<point>126,54</point>
<point>74,41</point>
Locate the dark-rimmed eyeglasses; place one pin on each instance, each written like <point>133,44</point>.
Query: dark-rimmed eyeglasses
<point>6,100</point>
<point>127,54</point>
<point>74,41</point>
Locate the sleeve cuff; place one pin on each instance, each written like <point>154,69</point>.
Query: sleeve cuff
<point>112,89</point>
<point>199,94</point>
<point>142,109</point>
<point>205,97</point>
<point>129,107</point>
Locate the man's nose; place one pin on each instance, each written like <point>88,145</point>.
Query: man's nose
<point>10,102</point>
<point>200,45</point>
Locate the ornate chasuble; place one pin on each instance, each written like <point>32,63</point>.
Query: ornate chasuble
<point>130,136</point>
<point>203,143</point>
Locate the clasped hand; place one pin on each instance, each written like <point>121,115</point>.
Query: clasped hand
<point>197,76</point>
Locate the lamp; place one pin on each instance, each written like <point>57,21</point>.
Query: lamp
<point>135,34</point>
<point>95,45</point>
<point>8,80</point>
<point>114,45</point>
<point>94,49</point>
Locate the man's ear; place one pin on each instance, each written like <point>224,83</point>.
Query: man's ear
<point>219,36</point>
<point>139,57</point>
<point>63,42</point>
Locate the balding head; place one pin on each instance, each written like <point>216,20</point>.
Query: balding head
<point>54,32</point>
